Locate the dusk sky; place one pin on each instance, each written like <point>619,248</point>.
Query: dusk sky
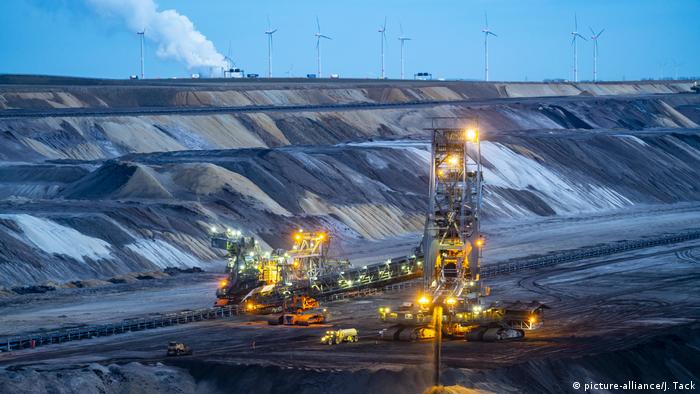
<point>642,38</point>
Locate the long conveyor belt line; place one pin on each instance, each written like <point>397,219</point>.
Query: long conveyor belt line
<point>335,290</point>
<point>514,265</point>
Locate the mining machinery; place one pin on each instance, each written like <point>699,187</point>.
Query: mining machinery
<point>178,349</point>
<point>297,274</point>
<point>309,256</point>
<point>452,302</point>
<point>244,260</point>
<point>334,337</point>
<point>293,281</point>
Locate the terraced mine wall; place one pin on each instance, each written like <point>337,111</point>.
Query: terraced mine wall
<point>98,196</point>
<point>499,107</point>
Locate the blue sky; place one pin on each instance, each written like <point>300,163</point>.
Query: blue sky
<point>643,38</point>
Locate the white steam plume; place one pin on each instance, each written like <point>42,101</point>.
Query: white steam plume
<point>175,34</point>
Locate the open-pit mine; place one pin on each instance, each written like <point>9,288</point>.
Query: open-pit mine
<point>347,236</point>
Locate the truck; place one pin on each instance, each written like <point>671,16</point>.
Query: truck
<point>299,318</point>
<point>334,337</point>
<point>423,76</point>
<point>178,349</point>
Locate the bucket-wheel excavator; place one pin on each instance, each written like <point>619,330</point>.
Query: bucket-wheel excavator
<point>243,267</point>
<point>274,281</point>
<point>299,269</point>
<point>452,300</point>
<point>292,281</point>
<point>309,257</point>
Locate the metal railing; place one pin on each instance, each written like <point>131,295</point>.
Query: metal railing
<point>125,326</point>
<point>514,265</point>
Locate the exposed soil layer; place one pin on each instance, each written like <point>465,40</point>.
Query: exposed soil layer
<point>145,212</point>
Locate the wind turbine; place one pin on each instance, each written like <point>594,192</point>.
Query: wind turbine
<point>575,35</point>
<point>141,34</point>
<point>594,37</point>
<point>675,68</point>
<point>403,39</point>
<point>487,33</point>
<point>382,32</point>
<point>319,36</point>
<point>270,31</point>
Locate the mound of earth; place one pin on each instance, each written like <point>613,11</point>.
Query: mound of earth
<point>115,180</point>
<point>204,179</point>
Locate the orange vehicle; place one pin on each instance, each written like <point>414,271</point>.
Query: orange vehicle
<point>305,318</point>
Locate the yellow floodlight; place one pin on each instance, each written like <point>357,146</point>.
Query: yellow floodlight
<point>472,135</point>
<point>423,300</point>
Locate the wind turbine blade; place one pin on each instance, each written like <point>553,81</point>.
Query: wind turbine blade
<point>326,37</point>
<point>318,25</point>
<point>492,33</point>
<point>486,17</point>
<point>601,32</point>
<point>268,22</point>
<point>592,32</point>
<point>273,31</point>
<point>582,37</point>
<point>401,28</point>
<point>384,27</point>
<point>575,22</point>
<point>573,40</point>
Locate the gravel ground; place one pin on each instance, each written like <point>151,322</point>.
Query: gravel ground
<point>626,305</point>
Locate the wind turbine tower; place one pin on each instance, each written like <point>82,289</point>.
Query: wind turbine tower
<point>487,33</point>
<point>594,37</point>
<point>576,35</point>
<point>319,36</point>
<point>403,39</point>
<point>270,31</point>
<point>141,34</point>
<point>382,32</point>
